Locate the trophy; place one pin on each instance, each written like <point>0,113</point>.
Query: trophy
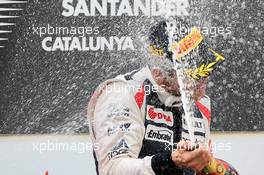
<point>193,61</point>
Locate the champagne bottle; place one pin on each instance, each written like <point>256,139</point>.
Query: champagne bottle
<point>214,168</point>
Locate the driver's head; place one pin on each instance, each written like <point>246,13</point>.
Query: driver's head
<point>161,63</point>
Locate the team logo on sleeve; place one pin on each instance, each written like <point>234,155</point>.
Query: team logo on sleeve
<point>117,110</point>
<point>120,148</point>
<point>123,128</point>
<point>159,116</point>
<point>159,134</point>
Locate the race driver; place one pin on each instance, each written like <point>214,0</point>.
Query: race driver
<point>138,122</point>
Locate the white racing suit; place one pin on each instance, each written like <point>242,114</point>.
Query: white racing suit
<point>136,124</point>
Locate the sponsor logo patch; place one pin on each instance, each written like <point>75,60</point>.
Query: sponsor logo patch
<point>159,134</point>
<point>199,129</point>
<point>123,127</point>
<point>120,148</point>
<point>196,123</point>
<point>117,110</point>
<point>159,116</point>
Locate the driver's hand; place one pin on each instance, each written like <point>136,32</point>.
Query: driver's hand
<point>196,159</point>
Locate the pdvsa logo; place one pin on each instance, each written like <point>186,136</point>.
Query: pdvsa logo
<point>159,116</point>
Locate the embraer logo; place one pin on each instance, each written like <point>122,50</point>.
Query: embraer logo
<point>159,134</point>
<point>159,116</point>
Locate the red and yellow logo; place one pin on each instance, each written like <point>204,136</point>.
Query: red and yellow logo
<point>187,44</point>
